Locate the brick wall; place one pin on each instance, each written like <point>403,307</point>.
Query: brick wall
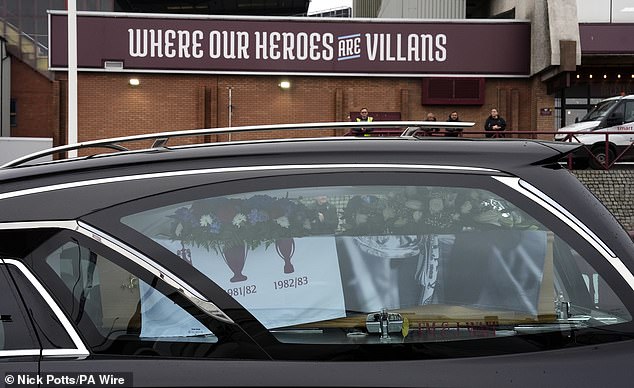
<point>613,188</point>
<point>37,105</point>
<point>108,106</point>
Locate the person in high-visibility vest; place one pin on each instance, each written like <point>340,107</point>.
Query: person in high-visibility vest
<point>364,117</point>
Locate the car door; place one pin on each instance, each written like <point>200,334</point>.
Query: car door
<point>131,317</point>
<point>19,347</point>
<point>427,268</point>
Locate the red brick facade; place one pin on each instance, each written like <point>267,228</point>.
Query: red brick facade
<point>109,107</point>
<point>37,102</point>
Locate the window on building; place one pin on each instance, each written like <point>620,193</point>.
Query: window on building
<point>453,91</point>
<point>13,115</point>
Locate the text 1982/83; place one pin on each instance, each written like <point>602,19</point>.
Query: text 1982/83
<point>291,283</point>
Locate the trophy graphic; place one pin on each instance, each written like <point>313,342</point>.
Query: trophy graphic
<point>285,247</point>
<point>235,256</point>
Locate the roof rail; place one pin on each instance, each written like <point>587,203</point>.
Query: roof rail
<point>161,138</point>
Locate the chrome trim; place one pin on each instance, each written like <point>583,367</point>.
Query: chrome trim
<point>70,225</point>
<point>19,353</point>
<point>553,207</point>
<point>580,226</point>
<point>91,182</point>
<point>80,348</point>
<point>131,254</point>
<point>154,268</point>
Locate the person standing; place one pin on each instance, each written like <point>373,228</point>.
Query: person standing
<point>427,131</point>
<point>363,116</point>
<point>453,132</point>
<point>495,123</point>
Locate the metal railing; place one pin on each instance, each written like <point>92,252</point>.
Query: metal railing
<point>602,154</point>
<point>160,140</point>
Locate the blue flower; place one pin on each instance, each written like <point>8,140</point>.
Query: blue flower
<point>256,216</point>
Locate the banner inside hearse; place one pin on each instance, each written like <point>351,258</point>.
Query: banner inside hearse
<point>298,256</point>
<point>291,45</point>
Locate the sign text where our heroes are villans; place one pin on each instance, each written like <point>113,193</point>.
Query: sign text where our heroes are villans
<point>287,46</point>
<point>294,45</point>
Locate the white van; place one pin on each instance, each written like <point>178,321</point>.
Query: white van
<point>614,114</point>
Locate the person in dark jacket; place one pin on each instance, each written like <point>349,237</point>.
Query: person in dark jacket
<point>427,131</point>
<point>453,132</point>
<point>495,123</point>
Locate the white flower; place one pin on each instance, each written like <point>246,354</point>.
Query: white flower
<point>417,215</point>
<point>179,230</point>
<point>283,222</point>
<point>388,213</point>
<point>400,222</point>
<point>307,224</point>
<point>239,219</point>
<point>361,219</point>
<point>206,220</point>
<point>414,204</point>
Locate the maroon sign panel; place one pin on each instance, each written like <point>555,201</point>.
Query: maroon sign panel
<point>293,45</point>
<point>607,38</point>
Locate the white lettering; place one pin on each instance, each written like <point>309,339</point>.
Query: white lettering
<point>441,41</point>
<point>274,39</point>
<point>328,51</point>
<point>426,47</point>
<point>372,45</point>
<point>399,48</point>
<point>412,48</point>
<point>315,38</point>
<point>170,51</point>
<point>214,44</point>
<point>135,47</point>
<point>229,44</point>
<point>288,43</point>
<point>302,46</point>
<point>183,44</point>
<point>260,45</point>
<point>243,45</point>
<point>169,43</point>
<point>419,48</point>
<point>196,44</point>
<point>156,44</point>
<point>388,48</point>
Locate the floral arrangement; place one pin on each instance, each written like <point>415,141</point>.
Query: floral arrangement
<point>218,223</point>
<point>429,210</point>
<point>223,222</point>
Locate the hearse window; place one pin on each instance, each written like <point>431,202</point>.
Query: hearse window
<point>15,326</point>
<point>50,331</point>
<point>123,310</point>
<point>370,264</point>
